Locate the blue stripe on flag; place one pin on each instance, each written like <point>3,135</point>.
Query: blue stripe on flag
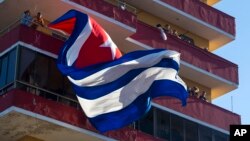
<point>94,92</point>
<point>81,22</point>
<point>121,118</point>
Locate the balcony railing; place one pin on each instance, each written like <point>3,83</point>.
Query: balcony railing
<point>68,114</point>
<point>32,37</point>
<point>205,13</point>
<point>109,10</point>
<point>24,96</point>
<point>191,54</point>
<point>202,110</point>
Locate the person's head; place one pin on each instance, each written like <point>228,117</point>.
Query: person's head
<point>27,12</point>
<point>206,49</point>
<point>39,15</point>
<point>123,6</point>
<point>196,89</point>
<point>158,25</point>
<point>167,26</point>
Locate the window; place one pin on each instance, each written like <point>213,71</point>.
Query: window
<point>170,127</point>
<point>4,67</point>
<point>1,75</point>
<point>218,136</point>
<point>191,131</point>
<point>25,65</point>
<point>146,124</point>
<point>205,133</point>
<point>162,124</point>
<point>41,71</point>
<point>11,66</point>
<point>176,128</point>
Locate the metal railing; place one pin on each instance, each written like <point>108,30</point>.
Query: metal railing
<point>53,33</point>
<point>36,90</point>
<point>46,93</point>
<point>10,27</point>
<point>6,88</point>
<point>123,5</point>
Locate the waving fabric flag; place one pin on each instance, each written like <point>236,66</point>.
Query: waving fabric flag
<point>114,90</point>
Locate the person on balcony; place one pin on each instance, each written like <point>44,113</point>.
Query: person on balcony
<point>206,49</point>
<point>203,96</point>
<point>122,5</point>
<point>26,18</point>
<point>168,29</point>
<point>163,34</point>
<point>38,21</point>
<point>195,92</point>
<point>175,33</point>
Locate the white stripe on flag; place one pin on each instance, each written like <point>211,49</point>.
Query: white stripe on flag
<point>74,50</point>
<point>112,73</point>
<point>124,96</point>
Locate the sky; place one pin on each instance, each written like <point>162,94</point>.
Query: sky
<point>238,52</point>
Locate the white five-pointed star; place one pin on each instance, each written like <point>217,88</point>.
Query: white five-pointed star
<point>111,44</point>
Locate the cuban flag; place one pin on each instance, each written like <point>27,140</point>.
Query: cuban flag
<point>114,90</point>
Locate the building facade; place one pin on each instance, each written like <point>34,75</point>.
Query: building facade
<point>37,103</point>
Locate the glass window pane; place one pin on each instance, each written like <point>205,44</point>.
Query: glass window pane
<point>55,79</point>
<point>33,68</point>
<point>218,136</point>
<point>191,131</point>
<point>205,133</point>
<point>68,89</point>
<point>162,124</point>
<point>11,66</point>
<point>176,128</point>
<point>26,65</point>
<point>3,74</point>
<point>41,71</point>
<point>146,124</point>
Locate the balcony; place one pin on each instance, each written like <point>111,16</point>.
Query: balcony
<point>109,10</point>
<point>48,108</point>
<point>111,17</point>
<point>205,13</point>
<point>24,97</point>
<point>200,110</point>
<point>197,64</point>
<point>32,37</point>
<point>191,16</point>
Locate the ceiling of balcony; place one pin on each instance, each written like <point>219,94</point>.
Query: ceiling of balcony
<point>211,2</point>
<point>216,37</point>
<point>18,126</point>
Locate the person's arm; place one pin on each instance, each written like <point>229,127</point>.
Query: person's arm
<point>42,22</point>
